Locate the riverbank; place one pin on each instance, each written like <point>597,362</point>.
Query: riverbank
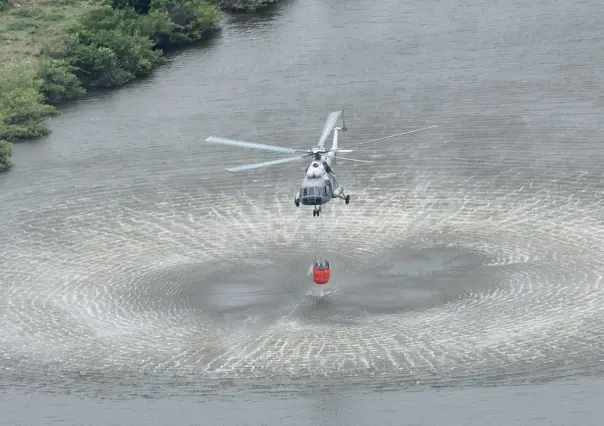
<point>54,51</point>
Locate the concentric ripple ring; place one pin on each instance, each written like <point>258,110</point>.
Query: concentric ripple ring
<point>107,284</point>
<point>471,253</point>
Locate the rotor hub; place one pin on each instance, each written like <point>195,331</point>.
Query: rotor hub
<point>317,152</point>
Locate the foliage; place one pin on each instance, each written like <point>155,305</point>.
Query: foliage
<point>112,45</point>
<point>22,105</point>
<point>107,49</point>
<point>59,81</point>
<point>172,23</point>
<point>107,46</point>
<point>192,19</point>
<point>87,44</point>
<point>242,5</point>
<point>140,6</point>
<point>6,152</point>
<point>26,28</point>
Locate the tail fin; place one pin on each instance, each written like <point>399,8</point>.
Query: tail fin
<point>331,120</point>
<point>336,133</point>
<point>334,144</point>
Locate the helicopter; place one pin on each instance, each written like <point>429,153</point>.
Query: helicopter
<point>319,185</point>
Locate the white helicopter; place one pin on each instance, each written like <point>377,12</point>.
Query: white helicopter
<point>319,185</point>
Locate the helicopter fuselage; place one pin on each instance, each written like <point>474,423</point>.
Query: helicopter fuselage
<point>317,191</point>
<point>319,185</point>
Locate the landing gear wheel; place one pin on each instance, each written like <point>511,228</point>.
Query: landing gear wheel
<point>314,213</point>
<point>347,199</point>
<point>297,203</point>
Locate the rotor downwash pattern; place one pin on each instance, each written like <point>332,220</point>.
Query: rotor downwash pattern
<point>113,284</point>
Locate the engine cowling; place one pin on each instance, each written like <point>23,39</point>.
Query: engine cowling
<point>315,170</point>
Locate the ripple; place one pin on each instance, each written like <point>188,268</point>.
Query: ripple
<point>470,254</point>
<point>434,281</point>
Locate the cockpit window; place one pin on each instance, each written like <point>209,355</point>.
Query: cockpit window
<point>314,192</point>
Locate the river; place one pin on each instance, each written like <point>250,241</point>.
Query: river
<point>141,283</point>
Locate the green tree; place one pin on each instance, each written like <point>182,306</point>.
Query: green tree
<point>59,82</point>
<point>193,20</point>
<point>6,152</point>
<point>108,49</point>
<point>242,5</point>
<point>22,105</point>
<point>113,44</point>
<point>108,46</point>
<point>140,6</point>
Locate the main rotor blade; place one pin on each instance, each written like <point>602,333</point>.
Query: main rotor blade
<point>244,144</point>
<point>332,118</point>
<point>353,159</point>
<point>266,163</point>
<point>393,136</point>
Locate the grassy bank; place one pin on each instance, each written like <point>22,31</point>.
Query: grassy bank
<point>52,51</point>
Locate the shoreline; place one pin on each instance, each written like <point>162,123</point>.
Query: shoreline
<point>56,52</point>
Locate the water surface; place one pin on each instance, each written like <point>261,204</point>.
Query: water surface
<point>467,265</point>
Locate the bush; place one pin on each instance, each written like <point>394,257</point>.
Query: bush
<point>112,45</point>
<point>6,152</point>
<point>242,5</point>
<point>171,23</point>
<point>140,6</point>
<point>192,19</point>
<point>22,106</point>
<point>59,81</point>
<point>107,47</point>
